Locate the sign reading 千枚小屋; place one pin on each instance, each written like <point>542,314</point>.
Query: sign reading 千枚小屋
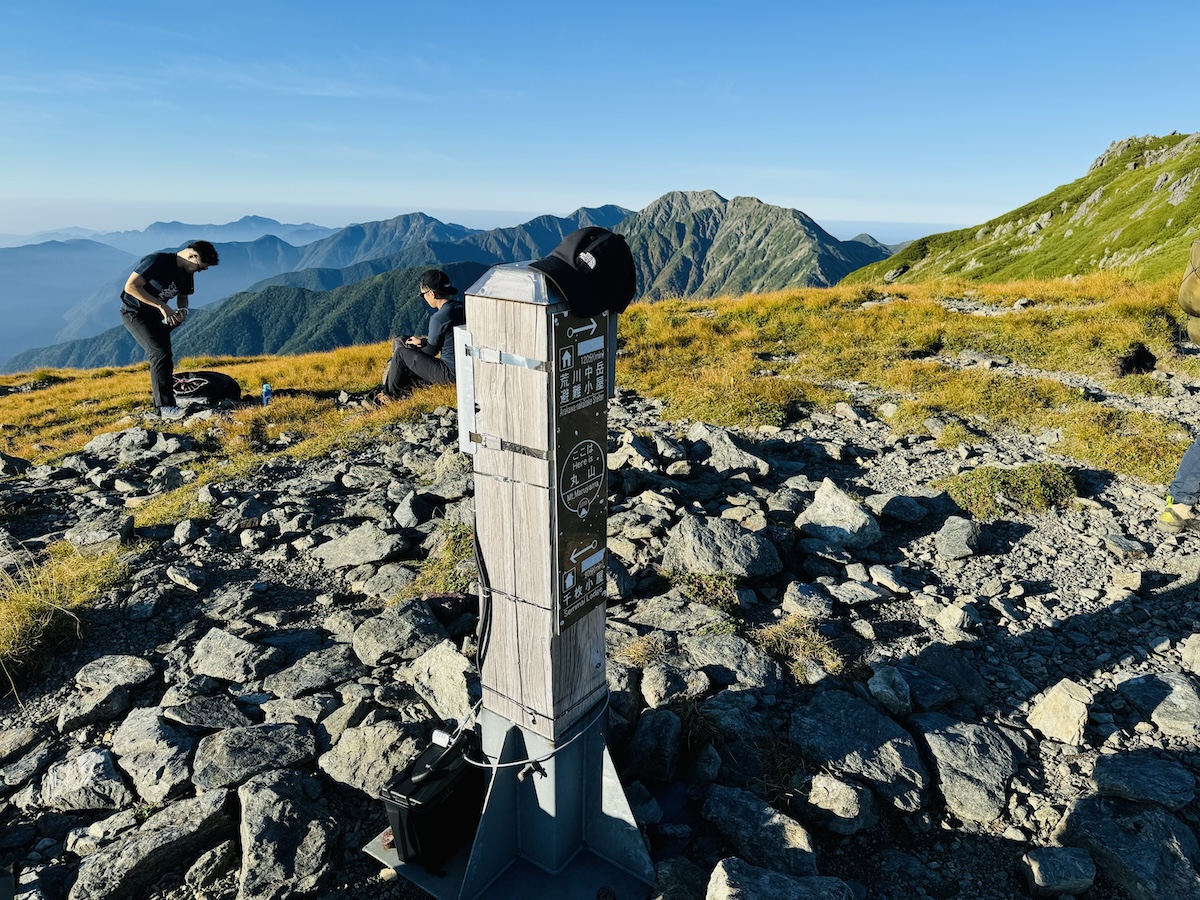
<point>580,355</point>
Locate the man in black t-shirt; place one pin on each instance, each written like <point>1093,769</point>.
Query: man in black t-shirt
<point>146,310</point>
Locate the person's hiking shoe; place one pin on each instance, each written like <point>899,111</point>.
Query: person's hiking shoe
<point>170,412</point>
<point>1179,517</point>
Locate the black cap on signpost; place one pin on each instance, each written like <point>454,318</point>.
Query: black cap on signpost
<point>593,268</point>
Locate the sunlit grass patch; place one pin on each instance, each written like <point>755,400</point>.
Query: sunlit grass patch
<point>716,591</point>
<point>796,640</point>
<point>1132,443</point>
<point>448,569</point>
<point>1036,486</point>
<point>644,651</point>
<point>762,360</point>
<point>37,601</point>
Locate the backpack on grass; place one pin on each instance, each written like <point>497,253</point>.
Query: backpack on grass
<point>210,386</point>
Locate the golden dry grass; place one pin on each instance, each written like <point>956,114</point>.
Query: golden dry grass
<point>757,360</point>
<point>37,601</point>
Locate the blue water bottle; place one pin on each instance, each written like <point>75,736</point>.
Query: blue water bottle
<point>266,394</point>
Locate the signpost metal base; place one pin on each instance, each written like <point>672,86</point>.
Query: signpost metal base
<point>555,824</point>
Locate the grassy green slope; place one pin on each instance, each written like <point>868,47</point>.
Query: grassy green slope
<point>1137,209</point>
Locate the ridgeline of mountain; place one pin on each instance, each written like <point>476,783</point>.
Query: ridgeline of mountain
<point>160,235</point>
<point>683,243</point>
<point>274,320</point>
<point>530,240</point>
<point>371,240</point>
<point>71,233</point>
<point>1136,209</point>
<point>537,237</point>
<point>697,243</point>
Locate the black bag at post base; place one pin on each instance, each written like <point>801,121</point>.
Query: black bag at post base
<point>434,804</point>
<point>212,386</point>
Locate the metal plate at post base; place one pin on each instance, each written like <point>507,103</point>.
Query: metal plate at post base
<point>517,838</point>
<point>586,877</point>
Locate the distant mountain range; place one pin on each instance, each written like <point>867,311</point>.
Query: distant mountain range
<point>284,298</point>
<point>169,234</point>
<point>1136,209</point>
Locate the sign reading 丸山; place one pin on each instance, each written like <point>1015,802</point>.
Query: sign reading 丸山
<point>581,379</point>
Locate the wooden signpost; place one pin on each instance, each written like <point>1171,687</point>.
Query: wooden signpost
<point>534,382</point>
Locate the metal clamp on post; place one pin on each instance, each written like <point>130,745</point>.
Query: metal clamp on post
<point>499,357</point>
<point>465,378</point>
<point>491,442</point>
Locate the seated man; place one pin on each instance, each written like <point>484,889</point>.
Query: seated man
<point>416,359</point>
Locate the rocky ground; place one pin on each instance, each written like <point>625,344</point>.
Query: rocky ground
<point>1018,704</point>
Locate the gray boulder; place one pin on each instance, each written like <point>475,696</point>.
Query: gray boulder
<point>366,544</point>
<point>155,756</point>
<point>838,518</point>
<point>1054,871</point>
<point>178,833</point>
<point>717,447</point>
<point>847,735</point>
<point>89,780</point>
<point>220,654</point>
<point>368,756</point>
<point>840,806</point>
<point>1169,699</point>
<point>975,764</point>
<point>734,879</point>
<point>447,681</point>
<point>1061,713</point>
<point>730,659</point>
<point>1160,781</point>
<point>285,838</point>
<point>317,671</point>
<point>706,546</point>
<point>403,631</point>
<point>1140,846</point>
<point>958,538</point>
<point>760,834</point>
<point>233,756</point>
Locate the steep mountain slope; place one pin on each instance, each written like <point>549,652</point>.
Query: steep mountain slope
<point>698,243</point>
<point>1136,209</point>
<point>371,240</point>
<point>293,320</point>
<point>40,283</point>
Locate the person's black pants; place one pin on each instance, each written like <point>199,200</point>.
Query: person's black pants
<point>410,365</point>
<point>154,336</point>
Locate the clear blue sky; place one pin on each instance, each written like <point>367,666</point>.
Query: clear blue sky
<point>114,115</point>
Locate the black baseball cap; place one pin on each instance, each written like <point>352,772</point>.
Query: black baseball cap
<point>437,281</point>
<point>593,268</point>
